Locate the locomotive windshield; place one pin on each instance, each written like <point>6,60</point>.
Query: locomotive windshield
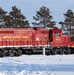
<point>57,35</point>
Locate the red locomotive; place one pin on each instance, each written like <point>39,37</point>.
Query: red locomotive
<point>15,41</point>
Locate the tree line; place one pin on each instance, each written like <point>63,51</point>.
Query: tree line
<point>43,18</point>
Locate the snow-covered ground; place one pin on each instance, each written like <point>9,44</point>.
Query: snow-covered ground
<point>37,65</point>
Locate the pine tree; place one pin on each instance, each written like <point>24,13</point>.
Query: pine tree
<point>68,24</point>
<point>43,18</point>
<point>2,18</point>
<point>17,19</point>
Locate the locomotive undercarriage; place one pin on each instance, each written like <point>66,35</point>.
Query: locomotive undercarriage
<point>60,50</point>
<point>10,52</point>
<point>13,51</point>
<point>51,50</point>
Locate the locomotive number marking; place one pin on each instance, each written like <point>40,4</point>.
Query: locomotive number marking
<point>57,39</point>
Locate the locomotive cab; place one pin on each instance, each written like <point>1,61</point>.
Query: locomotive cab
<point>55,36</point>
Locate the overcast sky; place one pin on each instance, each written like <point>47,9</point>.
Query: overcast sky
<point>29,7</point>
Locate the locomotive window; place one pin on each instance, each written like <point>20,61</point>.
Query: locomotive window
<point>57,34</point>
<point>6,32</point>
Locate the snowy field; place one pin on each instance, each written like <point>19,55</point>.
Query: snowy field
<point>37,65</point>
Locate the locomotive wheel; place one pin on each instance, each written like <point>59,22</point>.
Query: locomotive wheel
<point>65,51</point>
<point>15,52</point>
<point>54,52</point>
<point>11,54</point>
<point>1,53</point>
<point>61,51</point>
<point>68,51</point>
<point>6,53</point>
<point>19,53</point>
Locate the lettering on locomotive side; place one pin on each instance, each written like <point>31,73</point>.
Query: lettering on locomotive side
<point>25,37</point>
<point>15,37</point>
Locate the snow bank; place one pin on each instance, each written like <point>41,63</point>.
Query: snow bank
<point>37,65</point>
<point>37,73</point>
<point>40,59</point>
